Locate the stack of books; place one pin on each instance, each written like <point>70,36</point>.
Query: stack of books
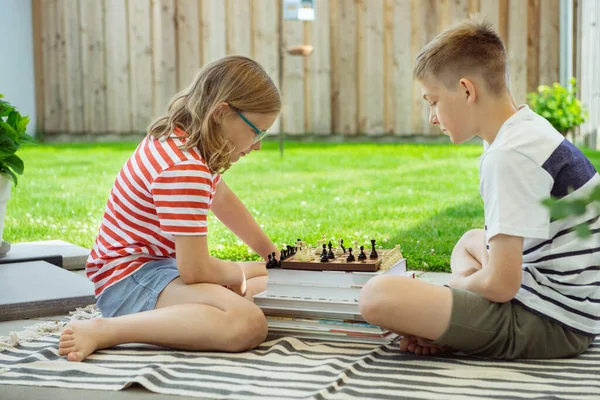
<point>323,304</point>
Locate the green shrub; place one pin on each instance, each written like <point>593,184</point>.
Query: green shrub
<point>12,136</point>
<point>559,106</point>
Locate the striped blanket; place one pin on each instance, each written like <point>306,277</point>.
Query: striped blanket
<point>288,368</point>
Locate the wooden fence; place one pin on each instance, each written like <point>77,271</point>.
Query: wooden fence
<point>588,69</point>
<point>110,66</point>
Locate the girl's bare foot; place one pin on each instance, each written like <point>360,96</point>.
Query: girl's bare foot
<point>79,339</point>
<point>421,346</point>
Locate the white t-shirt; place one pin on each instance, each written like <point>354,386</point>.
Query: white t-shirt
<point>528,162</point>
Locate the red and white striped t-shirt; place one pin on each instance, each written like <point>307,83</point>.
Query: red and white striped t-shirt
<point>161,191</point>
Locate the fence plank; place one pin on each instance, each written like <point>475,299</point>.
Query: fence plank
<point>307,66</point>
<point>404,61</point>
<point>389,92</point>
<point>62,75</point>
<point>418,40</point>
<point>371,69</point>
<point>214,30</point>
<point>74,107</point>
<point>348,104</point>
<point>93,67</point>
<point>533,44</point>
<point>118,100</point>
<point>517,49</point>
<point>239,27</point>
<point>37,16</point>
<point>140,51</point>
<point>188,42</point>
<point>335,54</point>
<point>50,67</point>
<point>549,41</point>
<point>266,17</point>
<point>320,72</point>
<point>164,56</point>
<point>293,80</point>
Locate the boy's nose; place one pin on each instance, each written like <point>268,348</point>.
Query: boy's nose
<point>257,145</point>
<point>433,119</point>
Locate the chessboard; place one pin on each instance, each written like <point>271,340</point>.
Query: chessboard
<point>327,258</point>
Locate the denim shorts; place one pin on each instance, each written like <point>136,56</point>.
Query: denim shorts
<point>139,291</point>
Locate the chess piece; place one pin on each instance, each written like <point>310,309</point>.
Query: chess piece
<point>272,263</point>
<point>350,257</point>
<point>330,254</point>
<point>373,255</point>
<point>342,245</point>
<point>362,255</point>
<point>324,257</point>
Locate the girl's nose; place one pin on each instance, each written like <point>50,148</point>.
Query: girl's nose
<point>257,145</point>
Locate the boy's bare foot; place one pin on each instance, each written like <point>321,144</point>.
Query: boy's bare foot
<point>79,339</point>
<point>421,346</point>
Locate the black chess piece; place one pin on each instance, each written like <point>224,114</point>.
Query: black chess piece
<point>362,255</point>
<point>330,254</point>
<point>299,242</point>
<point>324,257</point>
<point>272,263</point>
<point>374,254</point>
<point>342,245</point>
<point>350,257</point>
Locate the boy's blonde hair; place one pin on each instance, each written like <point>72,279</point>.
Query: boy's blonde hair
<point>468,48</point>
<point>236,80</point>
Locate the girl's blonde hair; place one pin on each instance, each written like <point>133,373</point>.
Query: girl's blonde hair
<point>236,80</point>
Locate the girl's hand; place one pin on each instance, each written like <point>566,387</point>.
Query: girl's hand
<point>241,287</point>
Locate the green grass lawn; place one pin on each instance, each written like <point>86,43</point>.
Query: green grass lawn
<point>422,197</point>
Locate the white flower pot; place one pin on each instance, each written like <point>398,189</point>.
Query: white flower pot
<point>5,186</point>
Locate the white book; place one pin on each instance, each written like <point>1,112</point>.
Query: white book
<point>320,324</point>
<point>333,278</point>
<point>311,312</point>
<point>390,338</point>
<point>325,298</point>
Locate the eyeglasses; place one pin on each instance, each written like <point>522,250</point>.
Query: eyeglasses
<point>259,134</point>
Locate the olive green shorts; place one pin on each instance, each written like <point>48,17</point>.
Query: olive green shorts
<point>506,331</point>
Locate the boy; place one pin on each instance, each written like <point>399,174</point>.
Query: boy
<point>526,286</point>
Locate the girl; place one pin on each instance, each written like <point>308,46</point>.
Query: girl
<point>154,280</point>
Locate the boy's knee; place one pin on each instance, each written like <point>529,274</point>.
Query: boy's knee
<point>474,236</point>
<point>248,329</point>
<point>375,296</point>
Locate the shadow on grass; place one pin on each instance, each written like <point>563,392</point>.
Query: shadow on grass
<point>428,245</point>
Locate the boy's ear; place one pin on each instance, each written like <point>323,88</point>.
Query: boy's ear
<point>468,88</point>
<point>220,112</point>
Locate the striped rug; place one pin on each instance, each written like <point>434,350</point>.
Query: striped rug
<point>288,368</point>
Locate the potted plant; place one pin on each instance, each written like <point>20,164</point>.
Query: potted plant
<point>12,137</point>
<point>559,106</point>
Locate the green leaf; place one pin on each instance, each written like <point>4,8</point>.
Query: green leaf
<point>583,231</point>
<point>26,139</point>
<point>7,146</point>
<point>11,175</point>
<point>10,131</point>
<point>577,207</point>
<point>559,211</point>
<point>595,195</point>
<point>15,163</point>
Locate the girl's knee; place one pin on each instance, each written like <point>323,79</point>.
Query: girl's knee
<point>248,329</point>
